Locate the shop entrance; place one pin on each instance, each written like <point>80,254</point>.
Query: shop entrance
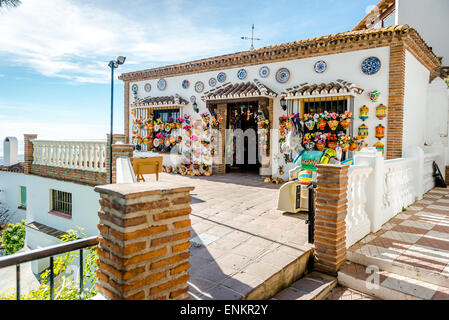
<point>242,146</point>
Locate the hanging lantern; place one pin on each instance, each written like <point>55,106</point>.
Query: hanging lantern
<point>380,131</point>
<point>381,111</point>
<point>364,112</point>
<point>380,146</point>
<point>374,95</point>
<point>363,131</point>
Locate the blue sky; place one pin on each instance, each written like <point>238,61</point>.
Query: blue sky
<point>54,79</point>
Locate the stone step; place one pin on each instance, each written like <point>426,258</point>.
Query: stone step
<point>345,293</point>
<point>388,286</point>
<point>314,286</point>
<point>419,267</point>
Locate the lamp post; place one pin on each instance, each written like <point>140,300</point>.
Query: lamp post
<point>113,65</point>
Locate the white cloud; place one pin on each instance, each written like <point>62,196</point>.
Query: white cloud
<point>72,40</point>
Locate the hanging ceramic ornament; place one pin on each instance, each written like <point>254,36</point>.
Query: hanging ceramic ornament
<point>364,112</point>
<point>381,111</point>
<point>374,95</point>
<point>379,146</point>
<point>363,131</point>
<point>380,131</point>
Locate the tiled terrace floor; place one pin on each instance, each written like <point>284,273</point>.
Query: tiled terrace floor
<point>416,240</point>
<point>343,293</point>
<point>245,239</point>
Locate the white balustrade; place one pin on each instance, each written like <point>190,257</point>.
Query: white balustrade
<point>81,155</point>
<point>358,224</point>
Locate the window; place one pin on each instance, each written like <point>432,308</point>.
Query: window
<point>61,202</point>
<point>165,114</point>
<point>22,197</point>
<point>389,21</point>
<point>319,106</point>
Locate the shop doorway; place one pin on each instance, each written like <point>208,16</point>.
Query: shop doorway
<point>242,146</point>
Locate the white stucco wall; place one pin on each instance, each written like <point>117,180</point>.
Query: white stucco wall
<point>415,102</point>
<point>9,193</point>
<point>430,19</point>
<point>346,66</point>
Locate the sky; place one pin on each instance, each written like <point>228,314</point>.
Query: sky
<point>54,78</point>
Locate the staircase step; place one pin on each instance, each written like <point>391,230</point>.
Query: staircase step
<point>419,266</point>
<point>390,286</point>
<point>314,286</point>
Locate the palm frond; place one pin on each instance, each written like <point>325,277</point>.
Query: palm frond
<point>9,3</point>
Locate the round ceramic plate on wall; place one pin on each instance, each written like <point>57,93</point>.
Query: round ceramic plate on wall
<point>192,99</point>
<point>185,84</point>
<point>264,71</point>
<point>282,75</point>
<point>161,84</point>
<point>371,66</point>
<point>320,66</point>
<point>147,87</point>
<point>134,88</point>
<point>212,82</point>
<point>199,86</point>
<point>241,74</point>
<point>221,77</point>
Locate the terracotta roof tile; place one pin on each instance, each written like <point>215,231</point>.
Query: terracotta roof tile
<point>18,168</point>
<point>338,87</point>
<point>46,229</point>
<point>160,101</point>
<point>374,13</point>
<point>239,90</point>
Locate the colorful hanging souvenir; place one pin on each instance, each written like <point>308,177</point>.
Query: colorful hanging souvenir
<point>380,131</point>
<point>379,146</point>
<point>381,111</point>
<point>363,131</point>
<point>364,113</point>
<point>374,95</point>
<point>333,124</point>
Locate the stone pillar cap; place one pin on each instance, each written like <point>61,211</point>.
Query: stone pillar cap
<point>141,189</point>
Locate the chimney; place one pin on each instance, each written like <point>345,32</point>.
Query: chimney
<point>10,151</point>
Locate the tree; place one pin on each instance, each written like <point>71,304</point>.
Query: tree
<point>9,3</point>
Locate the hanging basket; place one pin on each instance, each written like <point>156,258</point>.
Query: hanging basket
<point>346,123</point>
<point>332,144</point>
<point>320,146</point>
<point>333,124</point>
<point>322,124</point>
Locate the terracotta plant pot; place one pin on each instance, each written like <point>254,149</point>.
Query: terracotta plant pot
<point>346,123</point>
<point>322,124</point>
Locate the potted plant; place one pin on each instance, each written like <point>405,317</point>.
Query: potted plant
<point>320,141</point>
<point>332,141</point>
<point>345,119</point>
<point>333,121</point>
<point>322,120</point>
<point>309,121</point>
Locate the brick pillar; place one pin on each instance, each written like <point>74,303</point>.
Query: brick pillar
<point>330,214</point>
<point>219,165</point>
<point>28,152</point>
<point>395,119</point>
<point>144,243</point>
<point>118,150</point>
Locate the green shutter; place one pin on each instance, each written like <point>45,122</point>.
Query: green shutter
<point>23,197</point>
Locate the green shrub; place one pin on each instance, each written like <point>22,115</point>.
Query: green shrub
<point>13,238</point>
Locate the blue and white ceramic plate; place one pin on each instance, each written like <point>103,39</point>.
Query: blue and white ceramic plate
<point>283,75</point>
<point>320,66</point>
<point>192,99</point>
<point>185,84</point>
<point>241,74</point>
<point>147,87</point>
<point>212,82</point>
<point>264,71</point>
<point>199,86</point>
<point>221,77</point>
<point>371,65</point>
<point>134,88</point>
<point>161,84</point>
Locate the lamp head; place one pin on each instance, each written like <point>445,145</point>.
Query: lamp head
<point>121,59</point>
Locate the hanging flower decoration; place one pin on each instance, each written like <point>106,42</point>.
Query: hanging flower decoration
<point>309,121</point>
<point>322,120</point>
<point>333,121</point>
<point>345,119</point>
<point>320,141</point>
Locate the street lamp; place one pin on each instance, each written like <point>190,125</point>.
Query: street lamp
<point>283,103</point>
<point>113,65</point>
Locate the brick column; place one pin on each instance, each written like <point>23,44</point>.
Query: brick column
<point>330,214</point>
<point>28,152</point>
<point>395,119</point>
<point>219,165</point>
<point>117,151</point>
<point>144,243</point>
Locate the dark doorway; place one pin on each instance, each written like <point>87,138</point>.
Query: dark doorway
<point>244,116</point>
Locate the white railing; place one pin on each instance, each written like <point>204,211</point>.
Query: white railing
<point>428,180</point>
<point>81,155</point>
<point>399,186</point>
<point>358,224</point>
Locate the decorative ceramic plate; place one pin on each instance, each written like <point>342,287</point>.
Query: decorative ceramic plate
<point>185,84</point>
<point>192,99</point>
<point>371,65</point>
<point>161,84</point>
<point>283,75</point>
<point>264,71</point>
<point>199,86</point>
<point>241,74</point>
<point>156,143</point>
<point>212,82</point>
<point>156,128</point>
<point>320,66</point>
<point>147,87</point>
<point>134,88</point>
<point>221,77</point>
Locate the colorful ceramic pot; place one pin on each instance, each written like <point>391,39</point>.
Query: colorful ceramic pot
<point>322,124</point>
<point>310,124</point>
<point>352,146</point>
<point>332,144</point>
<point>346,123</point>
<point>333,124</point>
<point>320,146</point>
<point>374,95</point>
